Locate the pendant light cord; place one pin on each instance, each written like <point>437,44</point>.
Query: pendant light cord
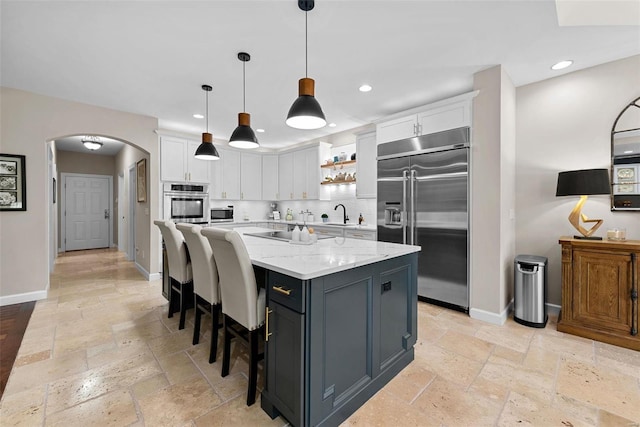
<point>207,111</point>
<point>244,82</point>
<point>306,46</point>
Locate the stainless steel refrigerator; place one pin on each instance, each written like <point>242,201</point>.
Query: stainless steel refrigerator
<point>423,191</point>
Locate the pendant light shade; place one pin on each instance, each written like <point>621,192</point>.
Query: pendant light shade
<point>206,150</point>
<point>306,113</point>
<point>243,136</point>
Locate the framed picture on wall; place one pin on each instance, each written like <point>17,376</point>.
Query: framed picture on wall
<point>13,183</point>
<point>141,180</point>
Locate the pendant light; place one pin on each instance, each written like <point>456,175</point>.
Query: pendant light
<point>306,113</point>
<point>243,136</point>
<point>206,150</point>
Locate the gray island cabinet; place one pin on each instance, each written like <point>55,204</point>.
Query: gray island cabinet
<point>341,323</point>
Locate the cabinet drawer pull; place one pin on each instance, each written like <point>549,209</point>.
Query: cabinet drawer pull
<point>266,326</point>
<point>281,289</point>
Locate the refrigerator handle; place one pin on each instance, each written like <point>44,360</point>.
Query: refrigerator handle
<point>404,207</point>
<point>412,213</point>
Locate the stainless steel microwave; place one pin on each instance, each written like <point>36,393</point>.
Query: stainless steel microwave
<point>222,214</point>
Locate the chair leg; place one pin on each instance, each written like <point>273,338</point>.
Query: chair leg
<point>185,295</point>
<point>196,326</point>
<point>226,352</point>
<point>253,366</point>
<point>172,299</point>
<point>215,312</point>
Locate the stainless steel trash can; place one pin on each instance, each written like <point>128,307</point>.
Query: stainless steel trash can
<point>530,290</point>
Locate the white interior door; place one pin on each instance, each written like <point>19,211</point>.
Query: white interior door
<point>87,212</point>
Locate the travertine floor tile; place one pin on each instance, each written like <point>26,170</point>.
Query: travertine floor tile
<point>179,403</point>
<point>449,404</point>
<point>521,410</point>
<point>130,365</point>
<point>112,409</point>
<point>611,391</point>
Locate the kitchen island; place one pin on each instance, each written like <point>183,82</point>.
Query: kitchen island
<point>340,323</point>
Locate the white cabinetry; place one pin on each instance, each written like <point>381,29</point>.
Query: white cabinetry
<point>250,176</point>
<point>177,161</point>
<point>366,167</point>
<point>443,115</point>
<point>285,176</point>
<point>270,177</point>
<point>299,173</point>
<point>360,234</point>
<point>225,175</point>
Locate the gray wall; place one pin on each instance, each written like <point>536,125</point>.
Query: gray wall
<point>564,123</point>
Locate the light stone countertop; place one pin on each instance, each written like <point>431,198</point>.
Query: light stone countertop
<point>349,226</point>
<point>319,259</point>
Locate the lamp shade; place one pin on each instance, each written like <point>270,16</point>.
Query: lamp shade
<point>584,182</point>
<point>243,136</point>
<point>206,150</point>
<point>305,112</point>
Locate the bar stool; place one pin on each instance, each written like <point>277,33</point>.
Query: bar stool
<point>242,304</point>
<point>205,283</point>
<point>179,269</point>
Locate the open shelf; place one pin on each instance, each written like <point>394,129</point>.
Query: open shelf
<point>337,182</point>
<point>339,164</point>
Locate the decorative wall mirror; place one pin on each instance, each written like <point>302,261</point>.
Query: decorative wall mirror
<point>625,159</point>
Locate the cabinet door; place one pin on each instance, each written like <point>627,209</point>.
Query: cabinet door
<point>197,170</point>
<point>602,289</point>
<point>269,177</point>
<point>285,176</point>
<point>394,130</point>
<point>360,234</point>
<point>445,118</point>
<point>250,176</point>
<point>284,362</point>
<point>300,174</point>
<point>215,172</point>
<point>231,175</point>
<point>366,167</point>
<point>312,169</point>
<point>172,164</point>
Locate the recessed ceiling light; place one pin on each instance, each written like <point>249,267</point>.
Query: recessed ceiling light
<point>332,125</point>
<point>198,116</point>
<point>260,130</point>
<point>562,64</point>
<point>365,88</point>
<point>628,152</point>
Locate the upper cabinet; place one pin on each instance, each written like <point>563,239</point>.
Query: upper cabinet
<point>440,116</point>
<point>250,176</point>
<point>299,173</point>
<point>225,175</point>
<point>177,161</point>
<point>366,167</point>
<point>270,177</point>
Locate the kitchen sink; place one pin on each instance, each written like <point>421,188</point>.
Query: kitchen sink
<point>338,223</point>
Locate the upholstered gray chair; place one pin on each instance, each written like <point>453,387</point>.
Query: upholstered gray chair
<point>205,283</point>
<point>242,303</point>
<point>181,289</point>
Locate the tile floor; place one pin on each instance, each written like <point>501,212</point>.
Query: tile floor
<point>101,351</point>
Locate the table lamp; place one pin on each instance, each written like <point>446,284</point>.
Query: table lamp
<point>583,183</point>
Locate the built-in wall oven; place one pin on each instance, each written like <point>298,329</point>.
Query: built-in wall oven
<point>186,202</point>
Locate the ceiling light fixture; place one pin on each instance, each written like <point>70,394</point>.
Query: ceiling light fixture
<point>561,65</point>
<point>260,130</point>
<point>92,142</point>
<point>306,113</point>
<point>332,125</point>
<point>198,116</point>
<point>206,150</point>
<point>365,88</point>
<point>243,136</point>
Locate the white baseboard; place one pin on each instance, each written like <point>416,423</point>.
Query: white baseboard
<point>146,274</point>
<point>489,317</point>
<point>20,298</point>
<point>552,308</point>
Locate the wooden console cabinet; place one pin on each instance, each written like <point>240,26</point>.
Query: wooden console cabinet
<point>600,290</point>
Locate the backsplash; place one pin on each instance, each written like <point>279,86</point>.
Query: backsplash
<point>258,210</point>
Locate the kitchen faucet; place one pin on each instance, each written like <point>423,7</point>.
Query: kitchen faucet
<point>345,218</point>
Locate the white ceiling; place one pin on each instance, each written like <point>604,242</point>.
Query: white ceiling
<point>151,58</point>
<point>110,147</point>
